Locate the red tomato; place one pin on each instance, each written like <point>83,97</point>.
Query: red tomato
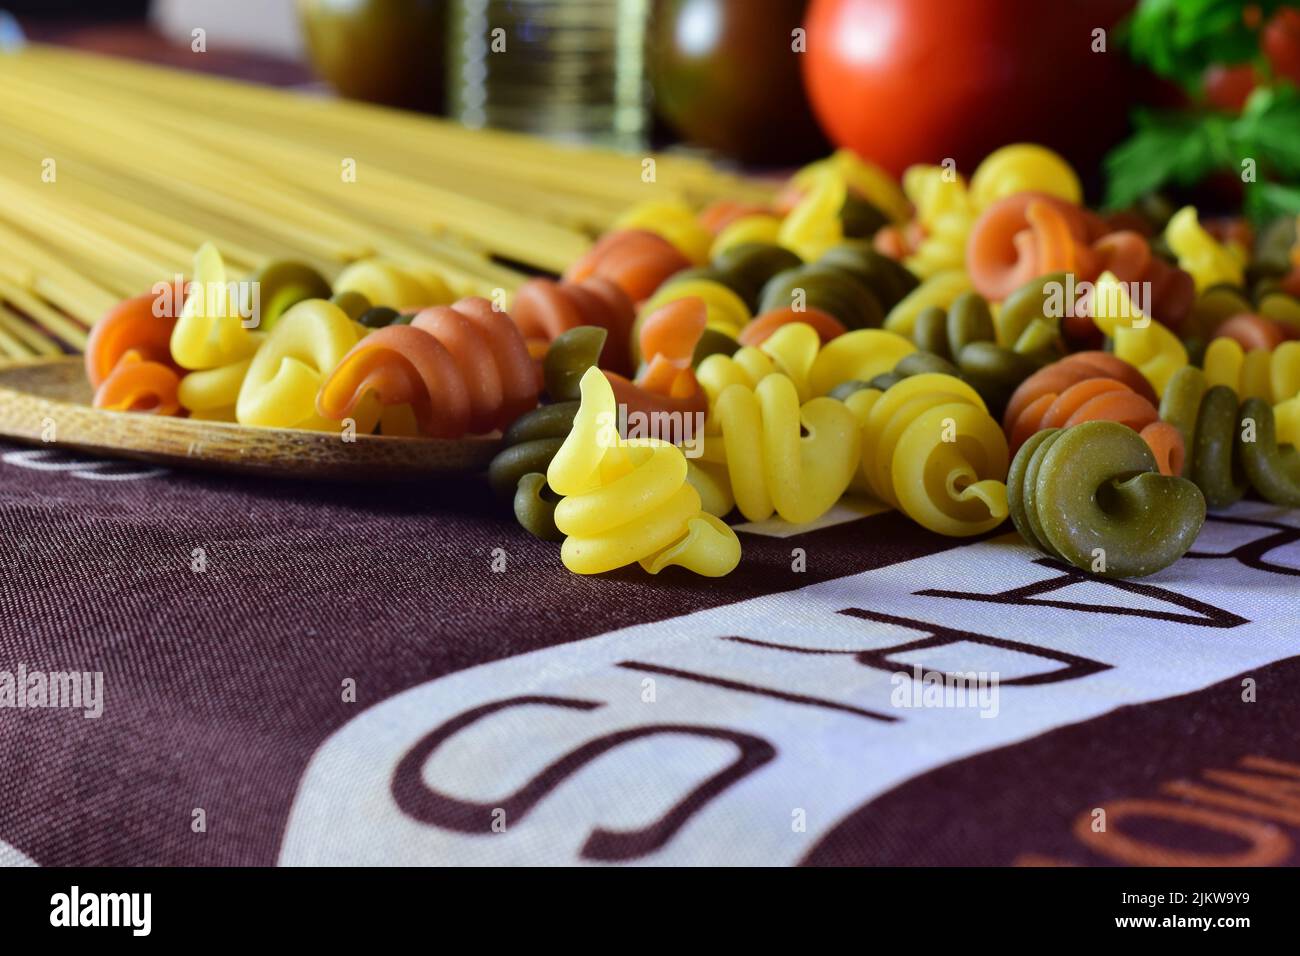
<point>907,81</point>
<point>1282,44</point>
<point>1227,87</point>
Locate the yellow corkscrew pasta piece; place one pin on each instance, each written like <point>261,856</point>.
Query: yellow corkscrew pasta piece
<point>1023,167</point>
<point>211,393</point>
<point>1273,376</point>
<point>945,211</point>
<point>939,290</point>
<point>396,285</point>
<point>756,444</point>
<point>859,355</point>
<point>866,179</point>
<point>630,501</point>
<point>931,449</point>
<point>1144,343</point>
<point>306,344</point>
<point>210,331</point>
<point>1287,419</point>
<point>791,351</point>
<point>1201,254</point>
<point>675,221</point>
<point>813,225</point>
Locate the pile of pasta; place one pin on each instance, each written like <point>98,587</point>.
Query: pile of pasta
<point>964,351</point>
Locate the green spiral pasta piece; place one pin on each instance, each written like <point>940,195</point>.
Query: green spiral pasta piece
<point>518,472</point>
<point>530,444</point>
<point>827,288</point>
<point>281,284</point>
<point>1030,318</point>
<point>1215,469</point>
<point>747,267</point>
<point>860,219</point>
<point>353,303</point>
<point>535,507</point>
<point>1273,470</point>
<point>1231,447</point>
<point>1092,496</point>
<point>568,358</point>
<point>967,335</point>
<point>1180,406</point>
<point>713,342</point>
<point>887,280</point>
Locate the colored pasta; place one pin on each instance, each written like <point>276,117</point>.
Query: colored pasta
<point>757,451</point>
<point>544,310</point>
<point>462,369</point>
<point>636,260</point>
<point>931,449</point>
<point>1091,496</point>
<point>630,502</point>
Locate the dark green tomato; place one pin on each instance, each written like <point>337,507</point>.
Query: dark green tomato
<point>746,268</point>
<point>378,317</point>
<point>353,303</point>
<point>725,77</point>
<point>825,288</point>
<point>384,51</point>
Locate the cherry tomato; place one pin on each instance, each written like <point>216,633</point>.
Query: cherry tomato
<point>1281,44</point>
<point>1227,87</point>
<point>907,81</point>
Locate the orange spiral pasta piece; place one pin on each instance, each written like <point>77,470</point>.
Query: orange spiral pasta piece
<point>137,384</point>
<point>1166,443</point>
<point>1091,386</point>
<point>545,310</point>
<point>1024,236</point>
<point>1252,331</point>
<point>667,382</point>
<point>636,260</point>
<point>128,358</point>
<point>721,213</point>
<point>897,242</point>
<point>463,369</point>
<point>760,329</point>
<point>1127,254</point>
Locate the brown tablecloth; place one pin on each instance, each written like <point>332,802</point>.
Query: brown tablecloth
<point>299,673</point>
